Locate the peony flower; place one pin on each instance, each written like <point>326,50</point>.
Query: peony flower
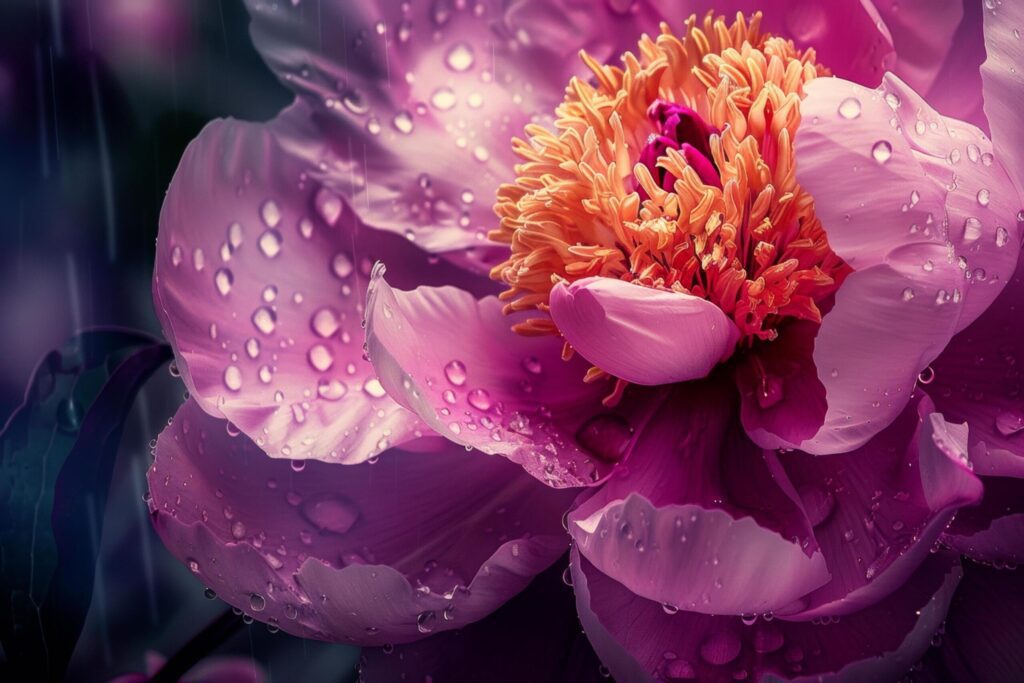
<point>740,306</point>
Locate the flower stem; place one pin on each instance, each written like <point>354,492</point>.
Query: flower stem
<point>201,644</point>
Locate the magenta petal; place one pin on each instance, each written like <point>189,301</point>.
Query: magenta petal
<point>783,401</point>
<point>922,34</point>
<point>882,194</point>
<point>1002,77</point>
<point>699,518</point>
<point>642,335</point>
<point>640,641</point>
<point>362,554</point>
<point>455,362</point>
<point>992,532</point>
<point>879,510</point>
<point>977,379</point>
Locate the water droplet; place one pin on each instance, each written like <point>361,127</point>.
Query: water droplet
<point>176,256</point>
<point>257,602</point>
<point>198,259</point>
<point>341,265</point>
<point>320,357</point>
<point>443,98</point>
<point>330,513</point>
<point>907,294</point>
<point>479,399</point>
<point>325,322</point>
<point>460,57</point>
<point>849,108</point>
<point>1002,236</point>
<point>270,213</point>
<point>233,378</point>
<point>331,390</point>
<point>893,100</point>
<point>374,389</point>
<point>983,197</point>
<point>607,436</point>
<point>328,205</point>
<point>223,279</point>
<point>425,621</point>
<point>403,122</point>
<point>927,375</point>
<point>264,319</point>
<point>455,371</point>
<point>270,243</point>
<point>881,151</point>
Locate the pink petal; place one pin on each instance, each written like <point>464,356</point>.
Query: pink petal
<point>642,335</point>
<point>1002,77</point>
<point>882,193</point>
<point>361,554</point>
<point>457,364</point>
<point>639,641</point>
<point>259,286</point>
<point>879,510</point>
<point>699,518</point>
<point>419,103</point>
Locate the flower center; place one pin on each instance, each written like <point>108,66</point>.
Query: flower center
<point>675,172</point>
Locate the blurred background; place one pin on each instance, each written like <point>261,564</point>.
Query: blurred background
<point>98,99</point>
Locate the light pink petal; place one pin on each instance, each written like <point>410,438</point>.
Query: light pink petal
<point>639,641</point>
<point>699,518</point>
<point>364,554</point>
<point>879,510</point>
<point>259,285</point>
<point>455,362</point>
<point>642,335</point>
<point>419,103</point>
<point>929,254</point>
<point>1002,77</point>
<point>783,402</point>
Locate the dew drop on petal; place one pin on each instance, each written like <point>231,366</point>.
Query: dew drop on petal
<point>270,243</point>
<point>320,357</point>
<point>479,399</point>
<point>425,621</point>
<point>403,122</point>
<point>459,57</point>
<point>233,378</point>
<point>849,108</point>
<point>270,213</point>
<point>881,151</point>
<point>443,99</point>
<point>223,279</point>
<point>264,319</point>
<point>341,265</point>
<point>329,512</point>
<point>455,371</point>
